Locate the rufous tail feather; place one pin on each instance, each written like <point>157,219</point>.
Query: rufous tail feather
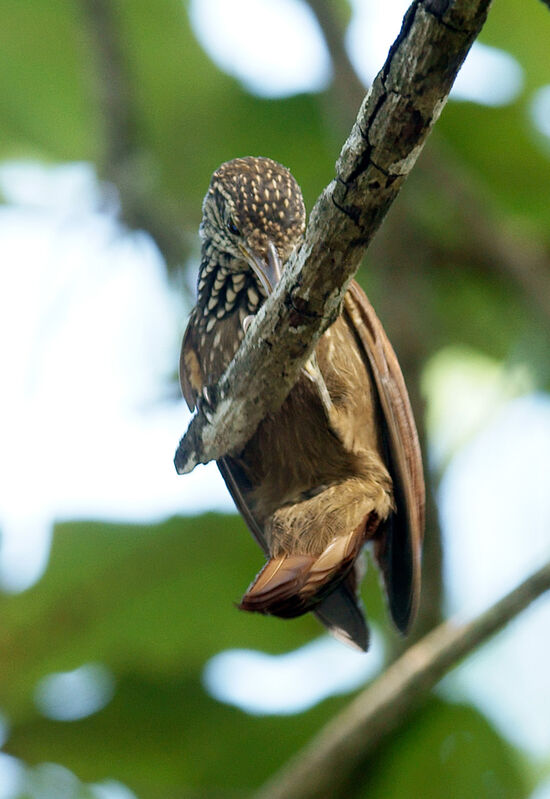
<point>291,584</point>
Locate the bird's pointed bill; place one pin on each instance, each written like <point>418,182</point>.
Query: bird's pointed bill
<point>267,270</point>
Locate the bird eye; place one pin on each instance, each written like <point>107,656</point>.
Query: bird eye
<point>232,227</point>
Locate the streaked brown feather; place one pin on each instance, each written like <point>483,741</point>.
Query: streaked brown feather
<point>398,547</point>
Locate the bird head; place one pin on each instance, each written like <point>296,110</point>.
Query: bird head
<point>253,217</point>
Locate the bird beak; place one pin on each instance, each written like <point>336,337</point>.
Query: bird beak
<point>268,270</point>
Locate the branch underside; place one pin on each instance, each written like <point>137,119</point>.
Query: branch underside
<point>386,139</point>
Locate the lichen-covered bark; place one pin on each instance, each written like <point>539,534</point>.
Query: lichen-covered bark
<point>386,139</point>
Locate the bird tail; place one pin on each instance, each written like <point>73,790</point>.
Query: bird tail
<point>291,584</point>
<point>343,616</point>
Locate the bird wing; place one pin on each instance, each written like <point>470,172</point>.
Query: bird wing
<point>236,481</point>
<point>192,381</point>
<point>191,376</point>
<point>398,547</point>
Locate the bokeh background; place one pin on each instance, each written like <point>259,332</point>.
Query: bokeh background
<point>125,670</point>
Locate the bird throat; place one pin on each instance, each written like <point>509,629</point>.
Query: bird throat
<point>222,291</point>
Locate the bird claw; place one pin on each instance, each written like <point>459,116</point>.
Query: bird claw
<point>247,321</point>
<point>205,402</point>
<point>206,395</point>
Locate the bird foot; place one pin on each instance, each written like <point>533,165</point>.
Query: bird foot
<point>206,401</point>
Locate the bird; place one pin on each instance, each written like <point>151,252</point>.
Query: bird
<point>338,466</point>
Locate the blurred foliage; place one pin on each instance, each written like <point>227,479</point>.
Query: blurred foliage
<point>189,116</point>
<point>447,745</point>
<point>154,603</point>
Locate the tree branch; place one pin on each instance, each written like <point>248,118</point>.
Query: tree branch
<point>392,125</point>
<point>523,259</point>
<point>121,161</point>
<point>329,758</point>
<point>346,89</point>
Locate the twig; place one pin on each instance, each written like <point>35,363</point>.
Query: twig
<point>387,137</point>
<point>330,757</point>
<point>346,91</point>
<point>112,87</point>
<point>121,162</point>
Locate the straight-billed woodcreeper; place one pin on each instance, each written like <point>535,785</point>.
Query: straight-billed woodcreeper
<point>339,464</point>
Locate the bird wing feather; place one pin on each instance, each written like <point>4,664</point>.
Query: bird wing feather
<point>191,378</point>
<point>398,547</point>
<point>191,381</point>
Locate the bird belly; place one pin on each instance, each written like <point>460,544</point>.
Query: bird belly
<point>313,477</point>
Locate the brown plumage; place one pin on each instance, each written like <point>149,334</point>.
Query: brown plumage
<point>339,464</point>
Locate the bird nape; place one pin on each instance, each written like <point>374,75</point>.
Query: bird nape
<point>339,464</point>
